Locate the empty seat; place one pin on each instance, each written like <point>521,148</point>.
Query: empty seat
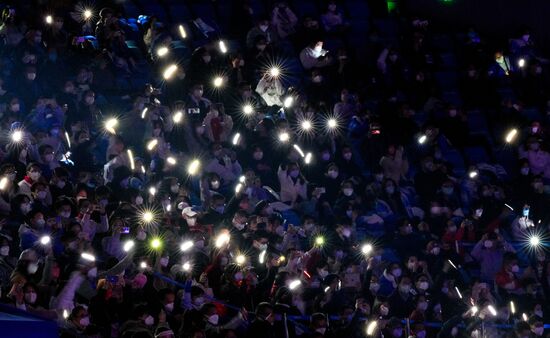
<point>456,161</point>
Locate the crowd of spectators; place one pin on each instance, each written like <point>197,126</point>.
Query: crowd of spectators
<point>279,174</point>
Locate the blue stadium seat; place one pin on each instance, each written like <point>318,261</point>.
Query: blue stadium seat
<point>447,80</point>
<point>205,11</point>
<point>477,123</point>
<point>156,10</point>
<point>357,9</point>
<point>454,158</point>
<point>475,155</point>
<point>507,158</point>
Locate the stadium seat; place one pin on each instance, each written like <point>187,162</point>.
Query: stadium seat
<point>475,155</point>
<point>454,158</point>
<point>477,123</point>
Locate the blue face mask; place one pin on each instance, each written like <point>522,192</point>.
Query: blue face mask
<point>294,173</point>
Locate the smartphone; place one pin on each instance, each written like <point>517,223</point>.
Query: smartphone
<point>125,230</point>
<point>526,211</point>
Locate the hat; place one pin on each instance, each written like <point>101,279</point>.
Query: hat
<point>190,211</point>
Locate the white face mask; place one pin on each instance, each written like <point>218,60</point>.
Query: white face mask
<point>384,310</point>
<point>149,320</point>
<point>215,184</point>
<point>488,244</point>
<point>92,273</point>
<point>423,286</point>
<point>264,28</point>
<point>85,321</point>
<point>41,195</point>
<point>169,307</point>
<point>213,319</point>
<point>164,262</point>
<point>139,200</point>
<point>65,214</point>
<point>321,330</point>
<point>174,188</point>
<point>374,287</point>
<point>198,301</point>
<point>332,173</point>
<point>5,250</point>
<point>347,191</point>
<point>141,235</point>
<point>32,268</point>
<point>323,273</point>
<point>35,175</point>
<point>238,276</point>
<point>239,226</point>
<point>30,297</point>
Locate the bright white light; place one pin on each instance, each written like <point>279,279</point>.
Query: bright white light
<point>144,112</point>
<point>169,71</point>
<point>248,109</point>
<point>289,100</point>
<point>238,188</point>
<point>193,167</point>
<point>299,150</point>
<point>474,310</point>
<point>242,179</point>
<point>521,63</point>
<point>306,125</point>
<point>143,169</point>
<point>222,239</point>
<point>284,137</point>
<point>223,47</point>
<point>492,310</point>
<point>371,327</point>
<point>294,284</point>
<point>171,160</point>
<point>147,217</point>
<point>458,292</point>
<point>17,136</point>
<point>182,32</point>
<point>319,240</point>
<point>131,157</point>
<point>473,174</point>
<point>45,240</point>
<point>162,51</point>
<point>65,314</point>
<point>332,123</point>
<point>152,144</point>
<point>512,307</point>
<point>422,139</point>
<point>524,317</point>
<point>240,259</point>
<point>3,182</point>
<point>143,265</point>
<point>87,256</point>
<point>153,191</point>
<point>511,135</point>
<point>110,125</point>
<point>178,117</point>
<point>156,243</point>
<point>534,240</point>
<point>186,266</point>
<point>274,71</point>
<point>49,19</point>
<point>307,159</point>
<point>261,258</point>
<point>185,246</point>
<point>366,249</point>
<point>68,139</point>
<point>218,81</point>
<point>87,14</point>
<point>128,245</point>
<point>236,139</point>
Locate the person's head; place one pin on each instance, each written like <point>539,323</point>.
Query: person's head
<point>264,311</point>
<point>210,314</point>
<point>405,285</point>
<point>34,172</point>
<point>319,323</point>
<point>167,298</point>
<point>510,263</point>
<point>197,91</point>
<point>422,283</point>
<point>537,326</point>
<point>79,317</point>
<point>499,56</point>
<point>331,6</point>
<point>217,203</point>
<point>261,240</point>
<point>522,329</point>
<point>293,170</point>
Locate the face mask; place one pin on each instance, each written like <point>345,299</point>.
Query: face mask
<point>421,334</point>
<point>32,268</point>
<point>41,195</point>
<point>262,247</point>
<point>34,175</point>
<point>139,200</point>
<point>40,223</point>
<point>325,156</point>
<point>515,269</point>
<point>264,28</point>
<point>396,273</point>
<point>538,313</point>
<point>89,100</point>
<point>261,47</point>
<point>206,58</point>
<point>479,212</point>
<point>317,79</point>
<point>65,214</point>
<point>452,228</point>
<point>423,306</point>
<point>436,250</point>
<point>73,245</point>
<point>500,59</point>
<point>349,213</point>
<point>92,273</point>
<point>347,156</point>
<point>191,222</point>
<point>452,112</point>
<point>374,287</point>
<point>538,330</point>
<point>169,307</point>
<point>48,158</point>
<point>149,320</point>
<point>404,288</point>
<point>397,332</point>
<point>31,76</point>
<point>238,276</point>
<point>411,266</point>
<point>318,49</point>
<point>25,208</point>
<point>215,184</point>
<point>323,273</point>
<point>294,173</point>
<point>332,174</point>
<point>198,301</point>
<point>85,321</point>
<point>4,251</point>
<point>141,235</point>
<point>199,244</point>
<point>384,310</point>
<point>164,261</point>
<point>11,177</point>
<point>347,192</point>
<point>454,331</point>
<point>488,244</point>
<point>390,189</point>
<point>321,330</point>
<point>213,319</point>
<point>30,297</point>
<point>239,226</point>
<point>258,155</point>
<point>15,107</point>
<point>220,209</point>
<point>423,285</point>
<point>174,188</point>
<point>346,232</point>
<point>525,37</point>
